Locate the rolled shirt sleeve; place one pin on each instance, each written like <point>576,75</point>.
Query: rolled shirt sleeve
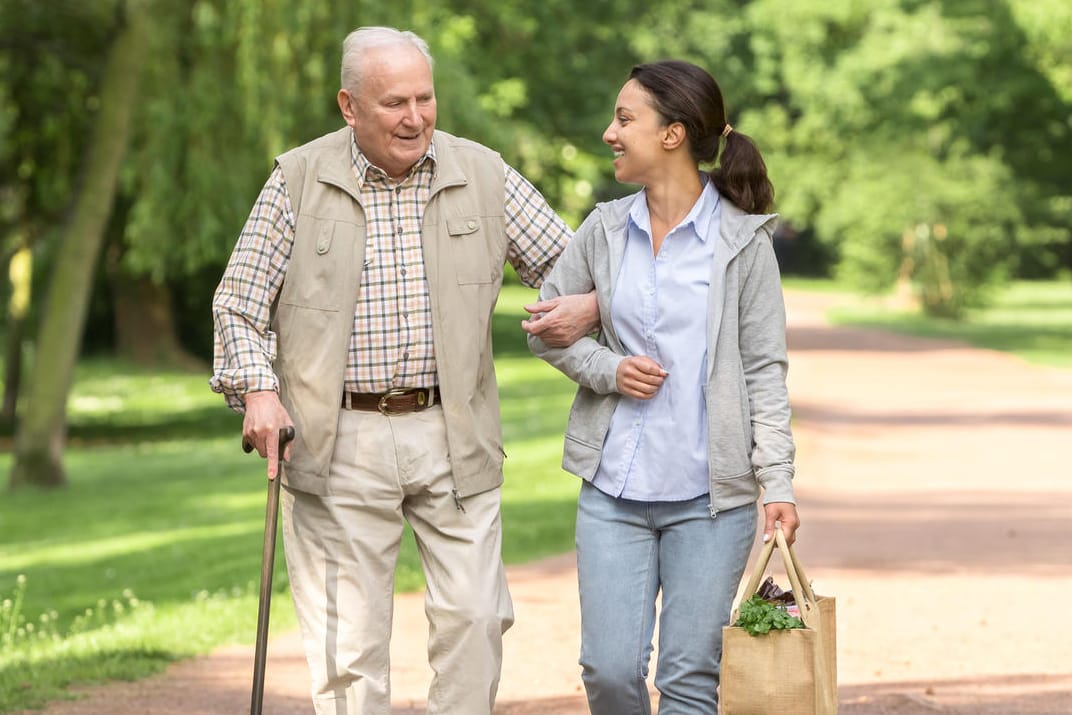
<point>243,344</point>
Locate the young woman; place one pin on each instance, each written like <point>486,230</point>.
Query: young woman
<point>681,417</point>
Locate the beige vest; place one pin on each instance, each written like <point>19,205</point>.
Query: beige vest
<point>464,245</point>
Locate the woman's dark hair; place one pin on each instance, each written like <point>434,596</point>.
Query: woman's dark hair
<point>682,92</point>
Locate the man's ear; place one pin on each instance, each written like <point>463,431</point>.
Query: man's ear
<point>346,106</point>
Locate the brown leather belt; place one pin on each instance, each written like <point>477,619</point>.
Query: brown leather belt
<point>396,401</point>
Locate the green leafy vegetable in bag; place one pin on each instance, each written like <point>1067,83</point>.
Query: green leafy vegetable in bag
<point>759,616</point>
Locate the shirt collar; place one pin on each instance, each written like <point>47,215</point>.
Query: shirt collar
<point>699,216</point>
<point>362,166</point>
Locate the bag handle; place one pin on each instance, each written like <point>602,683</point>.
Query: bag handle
<point>760,567</point>
<point>804,582</point>
<point>804,596</point>
<point>802,591</point>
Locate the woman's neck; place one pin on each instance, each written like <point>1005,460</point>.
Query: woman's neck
<point>670,200</point>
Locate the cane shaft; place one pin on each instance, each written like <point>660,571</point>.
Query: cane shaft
<point>264,607</point>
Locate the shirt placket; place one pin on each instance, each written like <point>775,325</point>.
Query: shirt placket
<point>406,293</point>
<point>647,313</point>
<point>416,364</point>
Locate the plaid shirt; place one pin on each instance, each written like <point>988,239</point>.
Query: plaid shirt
<point>391,342</point>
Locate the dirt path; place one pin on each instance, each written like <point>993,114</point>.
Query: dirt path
<point>935,488</point>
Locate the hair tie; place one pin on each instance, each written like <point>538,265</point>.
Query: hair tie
<point>727,130</point>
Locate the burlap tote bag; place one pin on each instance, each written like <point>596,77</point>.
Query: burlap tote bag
<point>788,672</point>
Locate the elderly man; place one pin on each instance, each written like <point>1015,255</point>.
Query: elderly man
<point>357,307</point>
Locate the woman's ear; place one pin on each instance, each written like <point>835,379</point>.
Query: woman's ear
<point>674,135</point>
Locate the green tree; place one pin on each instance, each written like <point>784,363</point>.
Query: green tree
<point>890,121</point>
<point>48,75</point>
<point>41,431</point>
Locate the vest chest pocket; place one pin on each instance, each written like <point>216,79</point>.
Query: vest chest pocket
<point>469,244</point>
<point>321,264</point>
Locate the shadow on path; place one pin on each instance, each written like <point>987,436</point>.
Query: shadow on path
<point>1008,695</point>
<point>938,532</point>
<point>929,414</point>
<point>814,337</point>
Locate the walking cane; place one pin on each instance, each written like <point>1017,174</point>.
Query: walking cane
<point>267,562</point>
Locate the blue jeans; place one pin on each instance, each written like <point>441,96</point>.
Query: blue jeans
<point>626,552</point>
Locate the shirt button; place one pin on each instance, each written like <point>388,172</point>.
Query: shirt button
<point>471,225</point>
<point>403,271</point>
<point>399,230</point>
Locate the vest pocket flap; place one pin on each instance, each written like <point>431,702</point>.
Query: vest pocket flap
<point>462,226</point>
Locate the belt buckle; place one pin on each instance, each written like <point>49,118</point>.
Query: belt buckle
<point>393,392</point>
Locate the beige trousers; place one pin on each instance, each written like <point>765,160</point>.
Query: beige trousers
<point>341,552</point>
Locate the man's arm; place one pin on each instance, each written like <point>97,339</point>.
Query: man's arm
<point>561,321</point>
<point>537,238</point>
<point>241,308</point>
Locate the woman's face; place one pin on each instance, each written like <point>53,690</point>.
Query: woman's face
<point>636,135</point>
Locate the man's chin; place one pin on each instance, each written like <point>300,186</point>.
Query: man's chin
<point>411,157</point>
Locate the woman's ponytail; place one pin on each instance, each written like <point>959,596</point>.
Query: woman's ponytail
<point>741,175</point>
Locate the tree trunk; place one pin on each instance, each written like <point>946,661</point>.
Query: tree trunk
<point>20,270</point>
<point>12,368</point>
<point>145,330</point>
<point>42,428</point>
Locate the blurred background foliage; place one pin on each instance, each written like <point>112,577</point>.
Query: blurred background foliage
<point>879,119</point>
<point>917,144</point>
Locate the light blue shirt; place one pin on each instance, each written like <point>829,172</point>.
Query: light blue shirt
<point>656,450</point>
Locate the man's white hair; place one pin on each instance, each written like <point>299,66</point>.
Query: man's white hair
<point>363,39</point>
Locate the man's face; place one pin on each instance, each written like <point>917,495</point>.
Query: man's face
<point>393,112</point>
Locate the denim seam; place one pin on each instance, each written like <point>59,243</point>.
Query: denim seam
<point>652,555</point>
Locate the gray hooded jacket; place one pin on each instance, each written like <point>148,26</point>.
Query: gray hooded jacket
<point>749,440</point>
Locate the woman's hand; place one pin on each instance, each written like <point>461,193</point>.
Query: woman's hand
<point>639,376</point>
<point>785,515</point>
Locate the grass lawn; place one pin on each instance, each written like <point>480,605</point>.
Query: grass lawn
<point>1031,319</point>
<point>152,552</point>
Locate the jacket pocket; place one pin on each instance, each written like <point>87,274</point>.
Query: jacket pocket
<point>580,457</point>
<point>730,492</point>
<point>472,254</point>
